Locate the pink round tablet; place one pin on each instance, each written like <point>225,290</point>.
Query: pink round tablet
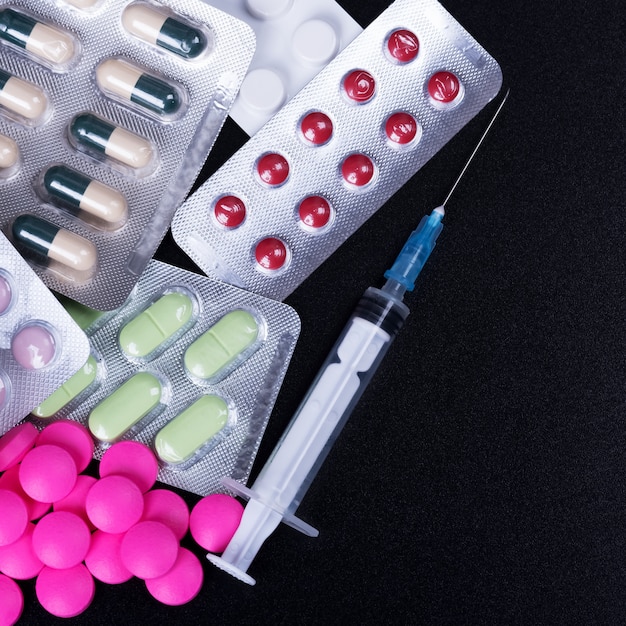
<point>359,86</point>
<point>114,504</point>
<point>273,169</point>
<point>314,212</point>
<point>132,459</point>
<point>15,443</point>
<point>444,88</point>
<point>403,45</point>
<point>65,592</point>
<point>214,521</point>
<point>357,170</point>
<point>75,500</point>
<point>167,507</point>
<point>316,127</point>
<point>149,549</point>
<point>34,346</point>
<point>48,473</point>
<point>11,480</point>
<point>11,601</point>
<point>229,211</point>
<point>271,254</point>
<point>71,436</point>
<point>13,517</point>
<point>6,294</point>
<point>18,560</point>
<point>181,584</point>
<point>61,539</point>
<point>401,128</point>
<point>104,559</point>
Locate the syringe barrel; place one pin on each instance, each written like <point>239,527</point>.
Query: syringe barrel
<point>338,386</point>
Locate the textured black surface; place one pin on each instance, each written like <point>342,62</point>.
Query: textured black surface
<point>481,478</point>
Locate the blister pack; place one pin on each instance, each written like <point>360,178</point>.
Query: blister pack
<point>189,366</point>
<point>295,40</point>
<point>107,112</point>
<point>338,150</point>
<point>41,346</point>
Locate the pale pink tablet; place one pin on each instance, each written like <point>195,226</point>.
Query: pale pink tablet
<point>71,436</point>
<point>11,480</point>
<point>132,459</point>
<point>48,473</point>
<point>61,540</point>
<point>34,346</point>
<point>181,584</point>
<point>18,560</point>
<point>75,501</point>
<point>104,560</point>
<point>11,601</point>
<point>214,520</point>
<point>65,592</point>
<point>15,443</point>
<point>167,507</point>
<point>13,517</point>
<point>149,549</point>
<point>114,504</point>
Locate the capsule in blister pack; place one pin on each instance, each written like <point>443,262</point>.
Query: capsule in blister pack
<point>188,365</point>
<point>107,112</point>
<point>338,150</point>
<point>41,346</point>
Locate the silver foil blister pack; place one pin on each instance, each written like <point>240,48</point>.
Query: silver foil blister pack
<point>41,346</point>
<point>190,366</point>
<point>108,110</point>
<point>338,150</point>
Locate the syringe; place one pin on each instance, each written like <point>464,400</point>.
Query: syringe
<point>338,386</point>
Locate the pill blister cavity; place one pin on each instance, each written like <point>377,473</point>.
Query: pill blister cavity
<point>229,211</point>
<point>402,46</point>
<point>7,291</point>
<point>35,345</point>
<point>316,128</point>
<point>268,9</point>
<point>83,5</point>
<point>358,171</point>
<point>23,101</point>
<point>402,129</point>
<point>315,43</point>
<point>263,90</point>
<point>272,169</point>
<point>445,90</point>
<point>359,86</point>
<point>272,255</point>
<point>315,214</point>
<point>172,33</point>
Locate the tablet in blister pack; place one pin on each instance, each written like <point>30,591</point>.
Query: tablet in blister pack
<point>41,346</point>
<point>338,150</point>
<point>295,40</point>
<point>189,366</point>
<point>107,112</point>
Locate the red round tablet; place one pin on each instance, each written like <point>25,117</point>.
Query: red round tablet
<point>229,211</point>
<point>401,128</point>
<point>181,584</point>
<point>48,473</point>
<point>273,169</point>
<point>15,443</point>
<point>71,436</point>
<point>403,45</point>
<point>271,254</point>
<point>316,127</point>
<point>11,601</point>
<point>65,592</point>
<point>444,88</point>
<point>149,549</point>
<point>314,212</point>
<point>359,86</point>
<point>132,459</point>
<point>357,170</point>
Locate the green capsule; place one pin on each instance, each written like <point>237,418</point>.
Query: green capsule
<point>125,407</point>
<point>218,348</point>
<point>155,326</point>
<point>190,430</point>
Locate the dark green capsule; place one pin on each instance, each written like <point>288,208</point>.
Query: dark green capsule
<point>91,132</point>
<point>66,187</point>
<point>34,233</point>
<point>181,39</point>
<point>4,77</point>
<point>16,27</point>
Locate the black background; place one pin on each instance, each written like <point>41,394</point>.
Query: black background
<point>481,478</point>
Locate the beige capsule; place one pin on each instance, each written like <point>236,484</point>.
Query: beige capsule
<point>9,153</point>
<point>22,97</point>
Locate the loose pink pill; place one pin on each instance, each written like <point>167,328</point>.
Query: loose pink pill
<point>167,507</point>
<point>18,560</point>
<point>181,584</point>
<point>104,559</point>
<point>65,592</point>
<point>114,504</point>
<point>132,459</point>
<point>13,517</point>
<point>15,444</point>
<point>34,346</point>
<point>48,473</point>
<point>61,539</point>
<point>75,500</point>
<point>11,601</point>
<point>214,520</point>
<point>149,549</point>
<point>71,436</point>
<point>11,480</point>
